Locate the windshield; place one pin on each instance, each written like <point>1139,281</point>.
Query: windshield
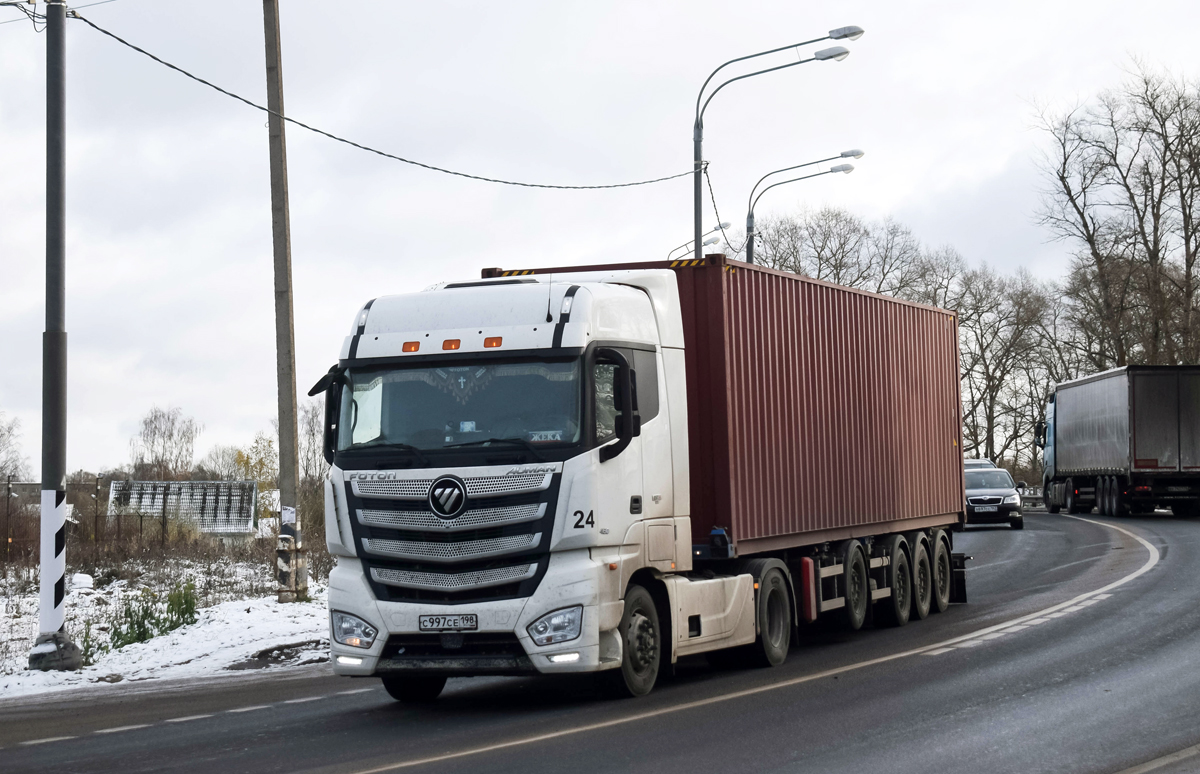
<point>989,479</point>
<point>529,401</point>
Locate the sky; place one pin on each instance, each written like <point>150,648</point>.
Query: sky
<point>169,279</point>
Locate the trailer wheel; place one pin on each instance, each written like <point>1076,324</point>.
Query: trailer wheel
<point>414,689</point>
<point>942,573</point>
<point>1048,499</point>
<point>774,620</point>
<point>641,638</point>
<point>898,606</point>
<point>922,580</point>
<point>857,586</point>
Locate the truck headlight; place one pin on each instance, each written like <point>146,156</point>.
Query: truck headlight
<point>352,631</point>
<point>559,626</point>
<point>1014,499</point>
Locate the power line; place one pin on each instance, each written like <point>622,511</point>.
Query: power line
<point>360,146</point>
<point>713,196</point>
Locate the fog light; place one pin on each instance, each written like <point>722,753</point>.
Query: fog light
<point>351,630</point>
<point>564,658</point>
<point>349,660</point>
<point>559,626</point>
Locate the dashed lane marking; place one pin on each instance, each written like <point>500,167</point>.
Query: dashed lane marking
<point>937,652</point>
<point>993,635</point>
<point>301,701</point>
<point>356,690</point>
<point>1166,760</point>
<point>250,709</point>
<point>184,720</point>
<point>121,728</point>
<point>47,740</point>
<point>640,716</point>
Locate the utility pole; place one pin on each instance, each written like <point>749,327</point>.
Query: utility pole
<point>293,577</point>
<point>53,649</point>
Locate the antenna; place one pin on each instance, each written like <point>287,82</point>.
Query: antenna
<point>550,284</point>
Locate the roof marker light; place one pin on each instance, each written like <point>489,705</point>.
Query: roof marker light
<point>493,341</point>
<point>451,344</point>
<point>411,346</point>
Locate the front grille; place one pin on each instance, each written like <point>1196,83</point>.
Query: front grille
<point>472,519</point>
<point>451,552</point>
<point>984,500</point>
<point>477,486</point>
<point>453,581</point>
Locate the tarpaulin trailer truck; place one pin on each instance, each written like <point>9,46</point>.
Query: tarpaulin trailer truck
<point>1124,440</point>
<point>607,468</point>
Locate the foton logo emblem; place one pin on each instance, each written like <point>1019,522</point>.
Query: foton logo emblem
<point>447,497</point>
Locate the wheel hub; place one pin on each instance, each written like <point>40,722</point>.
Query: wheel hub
<point>643,644</point>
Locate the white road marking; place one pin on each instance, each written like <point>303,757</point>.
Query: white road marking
<point>964,640</point>
<point>1036,621</point>
<point>356,690</point>
<point>250,709</point>
<point>121,728</point>
<point>1103,596</point>
<point>1074,609</point>
<point>937,652</point>
<point>47,739</point>
<point>1058,614</point>
<point>301,701</point>
<point>969,644</point>
<point>184,720</point>
<point>993,635</point>
<point>1087,602</point>
<point>1017,628</point>
<point>1158,763</point>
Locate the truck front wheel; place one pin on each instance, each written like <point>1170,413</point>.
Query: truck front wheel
<point>1052,506</point>
<point>414,689</point>
<point>641,641</point>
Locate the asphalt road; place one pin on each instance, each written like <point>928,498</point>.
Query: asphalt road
<point>1026,677</point>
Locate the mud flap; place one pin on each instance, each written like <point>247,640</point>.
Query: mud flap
<point>958,579</point>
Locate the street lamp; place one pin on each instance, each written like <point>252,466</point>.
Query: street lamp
<point>713,230</point>
<point>836,54</point>
<point>846,168</point>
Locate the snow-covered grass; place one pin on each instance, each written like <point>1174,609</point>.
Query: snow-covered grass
<point>238,618</point>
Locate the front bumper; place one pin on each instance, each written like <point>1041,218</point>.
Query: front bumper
<point>500,646</point>
<point>1002,515</point>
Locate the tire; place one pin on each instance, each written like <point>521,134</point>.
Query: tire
<point>1048,501</point>
<point>414,689</point>
<point>922,575</point>
<point>1110,496</point>
<point>896,608</point>
<point>641,641</point>
<point>942,574</point>
<point>856,585</point>
<point>1102,495</point>
<point>1017,523</point>
<point>1072,502</point>
<point>774,610</point>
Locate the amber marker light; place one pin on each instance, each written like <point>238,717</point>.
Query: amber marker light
<point>451,344</point>
<point>411,346</point>
<point>493,341</point>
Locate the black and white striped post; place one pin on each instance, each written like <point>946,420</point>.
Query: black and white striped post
<point>53,648</point>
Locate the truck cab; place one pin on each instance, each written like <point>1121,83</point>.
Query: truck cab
<point>507,455</point>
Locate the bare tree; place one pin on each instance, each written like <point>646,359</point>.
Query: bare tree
<point>12,462</point>
<point>165,445</point>
<point>220,464</point>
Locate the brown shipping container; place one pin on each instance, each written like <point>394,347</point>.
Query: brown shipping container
<point>816,412</point>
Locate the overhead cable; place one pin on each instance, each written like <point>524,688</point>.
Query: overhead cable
<point>360,146</point>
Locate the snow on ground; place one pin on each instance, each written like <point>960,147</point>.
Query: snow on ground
<point>239,629</point>
<point>230,634</point>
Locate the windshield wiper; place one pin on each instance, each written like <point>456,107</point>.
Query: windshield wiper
<point>519,441</point>
<point>416,452</point>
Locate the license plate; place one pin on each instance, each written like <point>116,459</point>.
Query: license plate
<point>986,508</point>
<point>449,623</point>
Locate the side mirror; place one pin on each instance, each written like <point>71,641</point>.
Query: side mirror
<point>628,421</point>
<point>1039,434</point>
<point>1021,485</point>
<point>330,384</point>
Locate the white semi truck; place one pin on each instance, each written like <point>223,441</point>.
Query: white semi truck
<point>604,469</point>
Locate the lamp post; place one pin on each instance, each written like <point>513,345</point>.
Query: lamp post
<point>837,53</point>
<point>846,168</point>
<point>849,154</point>
<point>714,240</point>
